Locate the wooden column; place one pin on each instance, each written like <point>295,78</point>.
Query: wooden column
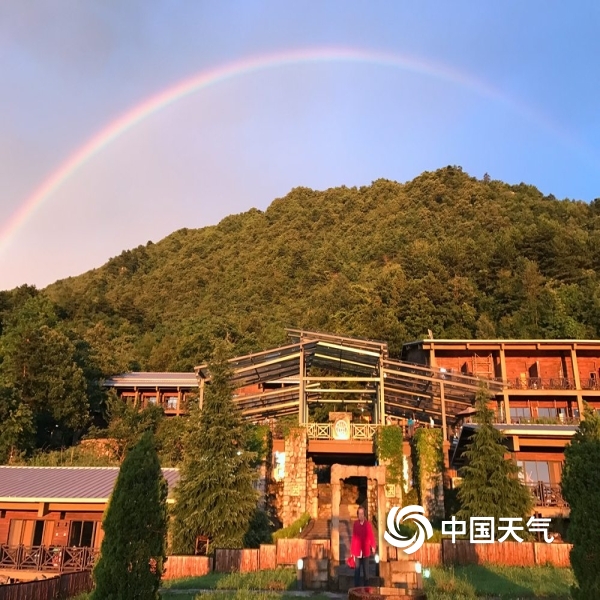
<point>432,359</point>
<point>381,520</point>
<point>577,379</point>
<point>381,391</point>
<point>503,374</point>
<point>302,405</point>
<point>443,401</point>
<point>201,394</point>
<point>179,401</point>
<point>336,498</point>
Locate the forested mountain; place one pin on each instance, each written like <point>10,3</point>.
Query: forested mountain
<point>448,252</point>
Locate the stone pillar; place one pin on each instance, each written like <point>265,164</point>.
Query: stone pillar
<point>381,521</point>
<point>336,496</point>
<point>312,490</point>
<point>371,498</point>
<point>294,484</point>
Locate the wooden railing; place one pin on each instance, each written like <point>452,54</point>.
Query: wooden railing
<point>545,494</point>
<point>324,431</point>
<point>59,559</point>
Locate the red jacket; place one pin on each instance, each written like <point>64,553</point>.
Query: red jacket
<point>362,539</point>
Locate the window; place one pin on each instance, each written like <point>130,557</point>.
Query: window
<point>518,413</point>
<point>534,471</point>
<point>29,532</point>
<point>82,533</point>
<point>546,413</point>
<point>151,400</point>
<point>171,402</point>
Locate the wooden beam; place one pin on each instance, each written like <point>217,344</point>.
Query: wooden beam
<point>443,401</point>
<point>577,380</point>
<point>303,406</point>
<point>503,374</point>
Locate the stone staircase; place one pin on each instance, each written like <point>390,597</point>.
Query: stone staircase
<point>317,529</point>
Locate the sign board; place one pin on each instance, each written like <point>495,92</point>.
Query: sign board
<point>341,425</point>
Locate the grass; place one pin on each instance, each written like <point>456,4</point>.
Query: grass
<point>268,580</point>
<point>467,583</point>
<point>293,530</point>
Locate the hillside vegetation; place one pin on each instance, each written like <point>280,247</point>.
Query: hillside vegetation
<point>447,252</point>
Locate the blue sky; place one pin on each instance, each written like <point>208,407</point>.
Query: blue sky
<point>70,68</point>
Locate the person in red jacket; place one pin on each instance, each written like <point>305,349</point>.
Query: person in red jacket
<point>362,546</point>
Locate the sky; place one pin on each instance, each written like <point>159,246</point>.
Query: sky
<point>122,121</point>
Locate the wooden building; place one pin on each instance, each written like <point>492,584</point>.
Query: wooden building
<point>51,517</point>
<point>545,384</point>
<point>170,391</point>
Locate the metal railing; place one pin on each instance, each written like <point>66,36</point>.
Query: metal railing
<point>539,383</point>
<point>545,494</point>
<point>324,431</point>
<point>60,559</point>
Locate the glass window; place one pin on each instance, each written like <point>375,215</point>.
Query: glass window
<point>533,471</point>
<point>546,413</point>
<point>151,399</point>
<point>27,532</point>
<point>171,402</point>
<point>520,413</point>
<point>82,533</point>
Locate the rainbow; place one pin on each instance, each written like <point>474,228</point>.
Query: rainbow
<point>210,77</point>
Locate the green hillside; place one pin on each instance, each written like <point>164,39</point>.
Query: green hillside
<point>447,252</point>
<point>444,252</point>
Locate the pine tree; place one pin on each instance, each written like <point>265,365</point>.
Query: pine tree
<point>215,496</point>
<point>581,489</point>
<point>490,485</point>
<point>135,524</point>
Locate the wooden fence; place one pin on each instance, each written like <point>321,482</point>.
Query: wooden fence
<point>269,556</point>
<point>56,588</point>
<point>505,553</point>
<point>177,567</point>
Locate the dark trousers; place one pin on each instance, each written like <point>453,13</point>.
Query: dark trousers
<point>361,563</point>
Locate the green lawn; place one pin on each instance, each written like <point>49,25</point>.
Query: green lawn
<point>268,580</point>
<point>467,583</point>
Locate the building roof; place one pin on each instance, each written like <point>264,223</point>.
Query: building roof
<point>499,341</point>
<point>64,484</point>
<point>152,380</point>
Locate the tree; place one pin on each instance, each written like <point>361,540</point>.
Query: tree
<point>41,364</point>
<point>581,489</point>
<point>215,496</point>
<point>490,485</point>
<point>16,426</point>
<point>135,525</point>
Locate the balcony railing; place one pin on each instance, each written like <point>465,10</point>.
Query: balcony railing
<point>542,420</point>
<point>324,431</point>
<point>545,494</point>
<point>539,383</point>
<point>59,559</point>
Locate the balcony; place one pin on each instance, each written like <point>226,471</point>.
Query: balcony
<point>539,383</point>
<point>545,494</point>
<point>325,431</point>
<point>558,420</point>
<point>57,559</point>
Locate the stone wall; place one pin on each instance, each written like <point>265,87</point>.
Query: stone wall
<point>294,483</point>
<point>312,490</point>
